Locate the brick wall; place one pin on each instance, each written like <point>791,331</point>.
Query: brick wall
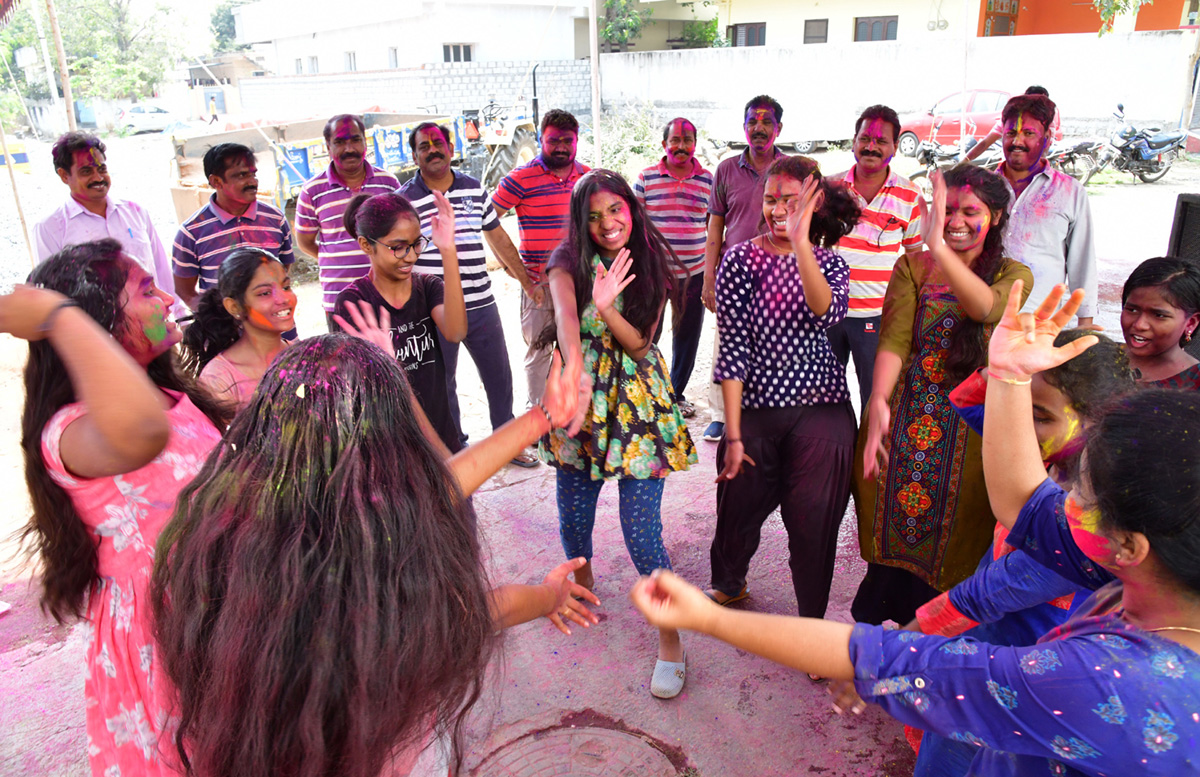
<point>447,88</point>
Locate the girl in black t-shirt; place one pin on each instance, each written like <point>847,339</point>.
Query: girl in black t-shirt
<point>411,304</point>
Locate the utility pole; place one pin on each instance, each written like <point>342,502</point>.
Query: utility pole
<point>594,28</point>
<point>62,63</point>
<point>41,33</point>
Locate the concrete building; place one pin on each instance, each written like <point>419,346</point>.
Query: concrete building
<point>308,37</point>
<point>787,23</point>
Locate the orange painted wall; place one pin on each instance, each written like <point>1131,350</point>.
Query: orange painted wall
<point>1163,15</point>
<point>1047,17</point>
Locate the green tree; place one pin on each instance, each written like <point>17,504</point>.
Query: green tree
<point>1109,10</point>
<point>622,23</point>
<point>223,28</point>
<point>113,52</point>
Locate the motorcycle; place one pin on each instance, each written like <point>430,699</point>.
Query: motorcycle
<point>941,157</point>
<point>1075,158</point>
<point>1146,152</point>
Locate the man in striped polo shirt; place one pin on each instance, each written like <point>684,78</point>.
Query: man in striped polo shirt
<point>540,192</point>
<point>473,219</point>
<point>323,200</point>
<point>232,218</point>
<point>890,223</point>
<point>675,192</point>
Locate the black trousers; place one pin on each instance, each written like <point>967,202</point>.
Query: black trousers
<point>804,464</point>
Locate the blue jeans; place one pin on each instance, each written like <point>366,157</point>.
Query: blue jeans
<point>640,510</point>
<point>685,338</point>
<point>485,343</point>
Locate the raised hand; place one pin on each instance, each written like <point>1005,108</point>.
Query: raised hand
<point>609,283</point>
<point>934,224</point>
<point>1023,343</point>
<point>367,326</point>
<point>669,602</point>
<point>800,210</point>
<point>441,224</point>
<point>875,455</point>
<point>567,604</point>
<point>25,312</point>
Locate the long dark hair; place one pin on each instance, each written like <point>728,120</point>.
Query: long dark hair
<point>213,329</point>
<point>968,340</point>
<point>319,598</point>
<point>654,261</point>
<point>1178,278</point>
<point>839,211</point>
<point>1143,461</point>
<point>94,275</point>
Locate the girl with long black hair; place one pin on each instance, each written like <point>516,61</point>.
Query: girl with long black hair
<point>633,431</point>
<point>923,516</point>
<point>111,431</point>
<point>239,325</point>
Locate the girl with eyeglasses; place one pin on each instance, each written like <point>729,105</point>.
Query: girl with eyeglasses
<point>410,303</point>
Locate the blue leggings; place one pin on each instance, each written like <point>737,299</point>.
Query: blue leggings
<point>640,510</point>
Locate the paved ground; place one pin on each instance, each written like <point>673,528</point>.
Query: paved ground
<point>738,714</point>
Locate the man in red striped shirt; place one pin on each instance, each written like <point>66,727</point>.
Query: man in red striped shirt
<point>675,192</point>
<point>890,223</point>
<point>540,193</point>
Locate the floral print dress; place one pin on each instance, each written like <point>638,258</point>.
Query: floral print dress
<point>125,710</point>
<point>633,428</point>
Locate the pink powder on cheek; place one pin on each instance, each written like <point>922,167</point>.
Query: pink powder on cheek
<point>1084,526</point>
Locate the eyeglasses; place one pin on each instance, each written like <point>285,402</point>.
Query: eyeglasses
<point>883,230</point>
<point>400,251</point>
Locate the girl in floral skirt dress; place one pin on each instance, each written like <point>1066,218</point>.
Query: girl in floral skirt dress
<point>633,432</point>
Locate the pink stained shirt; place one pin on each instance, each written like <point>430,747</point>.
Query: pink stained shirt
<point>126,222</point>
<point>128,699</point>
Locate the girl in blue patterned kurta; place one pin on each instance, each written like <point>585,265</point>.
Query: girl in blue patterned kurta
<point>633,431</point>
<point>1116,689</point>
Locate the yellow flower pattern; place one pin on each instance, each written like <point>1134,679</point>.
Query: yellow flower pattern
<point>633,428</point>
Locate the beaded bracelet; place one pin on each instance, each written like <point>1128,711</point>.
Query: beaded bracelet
<point>49,322</point>
<point>545,412</point>
<point>1010,381</point>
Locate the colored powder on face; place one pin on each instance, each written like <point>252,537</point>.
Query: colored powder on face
<point>1020,123</point>
<point>156,328</point>
<point>260,320</point>
<point>1055,447</point>
<point>763,114</point>
<point>1085,530</point>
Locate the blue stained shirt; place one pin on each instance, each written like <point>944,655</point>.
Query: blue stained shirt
<point>1096,696</point>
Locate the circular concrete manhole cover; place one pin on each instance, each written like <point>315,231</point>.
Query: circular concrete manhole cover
<point>578,752</point>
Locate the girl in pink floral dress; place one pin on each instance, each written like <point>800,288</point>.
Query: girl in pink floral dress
<point>111,433</point>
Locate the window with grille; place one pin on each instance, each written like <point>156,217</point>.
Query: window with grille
<point>875,28</point>
<point>393,57</point>
<point>816,30</point>
<point>457,52</point>
<point>748,34</point>
<point>312,65</point>
<point>299,66</point>
<point>351,62</point>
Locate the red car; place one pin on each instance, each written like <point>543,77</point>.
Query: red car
<point>975,111</point>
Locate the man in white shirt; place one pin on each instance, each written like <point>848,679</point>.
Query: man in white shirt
<point>91,214</point>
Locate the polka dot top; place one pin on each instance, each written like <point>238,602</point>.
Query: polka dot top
<point>770,340</point>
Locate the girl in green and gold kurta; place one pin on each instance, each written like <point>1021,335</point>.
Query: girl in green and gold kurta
<point>923,514</point>
<point>633,431</point>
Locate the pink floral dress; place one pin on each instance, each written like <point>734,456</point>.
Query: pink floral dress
<point>125,513</point>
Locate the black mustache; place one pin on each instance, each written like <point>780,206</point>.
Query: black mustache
<point>870,153</point>
<point>350,155</point>
<point>432,157</point>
